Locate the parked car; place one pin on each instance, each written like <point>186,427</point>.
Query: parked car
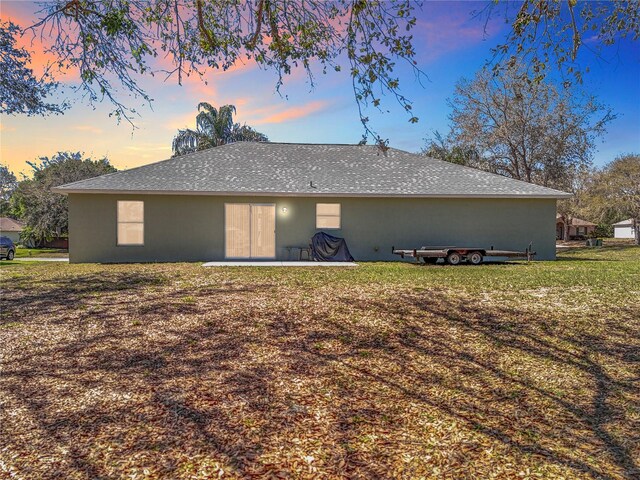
<point>7,248</point>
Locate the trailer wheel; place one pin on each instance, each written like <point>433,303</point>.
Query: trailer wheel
<point>454,258</point>
<point>474,258</point>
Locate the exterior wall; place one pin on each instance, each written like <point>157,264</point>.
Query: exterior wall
<point>585,232</point>
<point>572,233</point>
<point>191,228</point>
<point>623,232</point>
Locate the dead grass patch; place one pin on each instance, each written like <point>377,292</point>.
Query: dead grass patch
<point>385,371</point>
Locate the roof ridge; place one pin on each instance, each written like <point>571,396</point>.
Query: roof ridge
<point>307,143</point>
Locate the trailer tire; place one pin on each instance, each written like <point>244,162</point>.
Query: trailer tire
<point>454,258</point>
<point>474,258</point>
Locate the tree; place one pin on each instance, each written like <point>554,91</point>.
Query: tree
<point>111,42</point>
<point>443,148</point>
<point>114,39</point>
<point>214,127</point>
<point>614,192</point>
<point>526,129</point>
<point>546,34</point>
<point>577,205</point>
<point>8,183</point>
<point>46,213</point>
<point>20,90</point>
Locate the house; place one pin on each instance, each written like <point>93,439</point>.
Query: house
<point>573,228</point>
<point>11,228</point>
<point>251,200</point>
<point>624,229</point>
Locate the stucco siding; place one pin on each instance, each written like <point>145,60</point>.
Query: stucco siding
<point>191,227</point>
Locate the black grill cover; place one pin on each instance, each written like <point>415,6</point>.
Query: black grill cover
<point>327,248</point>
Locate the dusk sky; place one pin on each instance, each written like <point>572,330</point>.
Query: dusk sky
<point>450,45</point>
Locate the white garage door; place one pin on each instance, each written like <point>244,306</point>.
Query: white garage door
<point>623,232</point>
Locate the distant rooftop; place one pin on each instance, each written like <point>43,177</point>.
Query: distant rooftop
<point>10,225</point>
<point>625,223</point>
<point>578,222</point>
<point>295,169</point>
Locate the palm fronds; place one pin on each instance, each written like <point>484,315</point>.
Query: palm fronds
<point>214,127</point>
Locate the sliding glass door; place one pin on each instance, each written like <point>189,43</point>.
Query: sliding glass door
<point>250,230</point>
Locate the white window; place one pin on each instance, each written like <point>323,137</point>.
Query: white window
<point>130,223</point>
<point>327,215</point>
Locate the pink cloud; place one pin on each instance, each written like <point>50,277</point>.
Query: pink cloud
<point>87,128</point>
<point>291,113</point>
<point>24,15</point>
<point>195,83</point>
<point>186,120</point>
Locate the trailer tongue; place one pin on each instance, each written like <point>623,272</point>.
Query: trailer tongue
<point>455,255</point>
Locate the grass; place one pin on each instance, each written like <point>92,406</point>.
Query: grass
<point>7,263</point>
<point>23,252</point>
<point>388,370</point>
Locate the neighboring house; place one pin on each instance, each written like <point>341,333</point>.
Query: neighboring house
<point>11,228</point>
<point>624,229</point>
<point>56,242</point>
<point>573,229</point>
<point>250,200</point>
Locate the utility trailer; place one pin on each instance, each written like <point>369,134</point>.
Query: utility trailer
<point>455,255</point>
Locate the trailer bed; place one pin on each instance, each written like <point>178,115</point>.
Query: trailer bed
<point>449,253</point>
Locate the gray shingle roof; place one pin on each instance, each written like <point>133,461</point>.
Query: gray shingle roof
<point>577,222</point>
<point>288,169</point>
<point>10,225</point>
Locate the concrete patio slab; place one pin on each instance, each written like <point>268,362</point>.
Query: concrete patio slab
<point>279,264</point>
<point>42,259</point>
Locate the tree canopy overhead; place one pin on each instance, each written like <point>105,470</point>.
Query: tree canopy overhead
<point>117,39</point>
<point>21,91</point>
<point>549,34</point>
<point>113,42</point>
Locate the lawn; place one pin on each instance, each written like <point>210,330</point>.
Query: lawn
<point>381,371</point>
<point>22,252</point>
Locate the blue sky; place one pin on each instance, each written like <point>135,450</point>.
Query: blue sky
<point>450,44</point>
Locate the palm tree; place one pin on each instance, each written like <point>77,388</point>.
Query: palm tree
<point>214,127</point>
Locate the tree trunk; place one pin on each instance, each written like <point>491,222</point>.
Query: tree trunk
<point>567,228</point>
